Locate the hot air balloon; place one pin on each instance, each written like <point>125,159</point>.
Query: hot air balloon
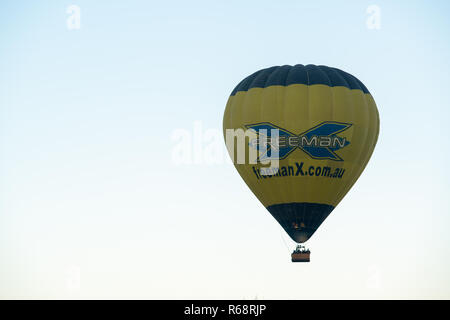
<point>311,130</point>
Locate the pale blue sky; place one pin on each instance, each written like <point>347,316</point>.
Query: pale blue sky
<point>87,177</point>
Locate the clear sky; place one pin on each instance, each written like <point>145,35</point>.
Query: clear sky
<point>93,203</point>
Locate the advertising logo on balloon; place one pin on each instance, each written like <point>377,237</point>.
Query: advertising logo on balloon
<point>320,142</point>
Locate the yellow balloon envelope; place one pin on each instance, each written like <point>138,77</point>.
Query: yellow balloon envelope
<point>312,130</point>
